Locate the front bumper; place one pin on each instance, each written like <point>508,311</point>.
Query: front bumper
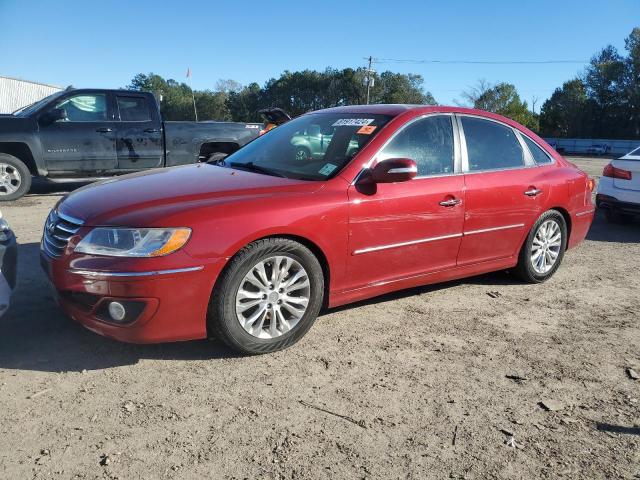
<point>8,270</point>
<point>171,303</point>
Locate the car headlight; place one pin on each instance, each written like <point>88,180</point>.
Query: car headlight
<point>133,242</point>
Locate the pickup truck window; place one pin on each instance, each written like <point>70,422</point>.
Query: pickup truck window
<point>133,109</point>
<point>85,107</point>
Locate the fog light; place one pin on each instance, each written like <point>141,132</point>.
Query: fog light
<point>117,311</point>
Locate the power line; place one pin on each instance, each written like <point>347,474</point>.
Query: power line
<point>480,62</point>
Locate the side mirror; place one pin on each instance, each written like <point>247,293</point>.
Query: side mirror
<point>54,115</point>
<point>394,170</point>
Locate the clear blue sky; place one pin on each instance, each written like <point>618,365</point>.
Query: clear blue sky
<point>104,44</point>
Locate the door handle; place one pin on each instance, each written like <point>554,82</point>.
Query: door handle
<point>104,130</point>
<point>152,130</point>
<point>533,192</point>
<point>451,203</point>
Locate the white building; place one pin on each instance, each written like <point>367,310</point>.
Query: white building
<point>16,93</point>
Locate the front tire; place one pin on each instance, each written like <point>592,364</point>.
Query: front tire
<point>543,250</point>
<point>267,297</point>
<point>15,178</point>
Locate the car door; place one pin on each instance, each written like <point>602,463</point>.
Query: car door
<point>83,140</point>
<point>402,229</point>
<point>139,133</point>
<point>505,191</point>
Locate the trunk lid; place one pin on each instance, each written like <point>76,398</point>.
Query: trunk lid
<point>632,166</point>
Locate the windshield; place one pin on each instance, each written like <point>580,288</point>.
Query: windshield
<point>29,109</point>
<point>311,147</point>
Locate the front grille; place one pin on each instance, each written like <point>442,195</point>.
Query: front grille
<point>58,229</point>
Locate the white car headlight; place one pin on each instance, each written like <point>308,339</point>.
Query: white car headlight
<point>133,242</point>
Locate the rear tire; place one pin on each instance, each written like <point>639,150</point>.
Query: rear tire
<point>15,178</point>
<point>543,241</point>
<point>242,312</point>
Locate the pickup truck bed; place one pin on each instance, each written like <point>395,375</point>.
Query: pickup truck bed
<point>93,133</point>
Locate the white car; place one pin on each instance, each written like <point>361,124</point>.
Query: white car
<point>618,191</point>
<point>8,259</point>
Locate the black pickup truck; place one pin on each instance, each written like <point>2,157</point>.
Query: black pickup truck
<point>86,134</point>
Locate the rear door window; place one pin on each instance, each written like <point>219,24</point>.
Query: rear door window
<point>491,145</point>
<point>539,155</point>
<point>133,109</point>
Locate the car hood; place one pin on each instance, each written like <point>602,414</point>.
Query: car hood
<point>161,197</point>
<point>12,124</point>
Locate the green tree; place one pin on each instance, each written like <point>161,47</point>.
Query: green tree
<point>566,112</point>
<point>243,105</point>
<point>176,100</point>
<point>631,87</point>
<point>502,99</point>
<point>295,92</point>
<point>604,79</point>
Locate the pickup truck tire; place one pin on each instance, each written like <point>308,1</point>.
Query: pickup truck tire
<point>270,280</point>
<point>15,178</point>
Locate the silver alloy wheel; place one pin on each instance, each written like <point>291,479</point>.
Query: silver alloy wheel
<point>546,246</point>
<point>273,297</point>
<point>10,179</point>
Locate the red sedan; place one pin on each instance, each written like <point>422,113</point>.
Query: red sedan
<point>251,248</point>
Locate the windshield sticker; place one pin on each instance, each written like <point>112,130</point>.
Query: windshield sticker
<point>366,130</point>
<point>327,169</point>
<point>353,122</point>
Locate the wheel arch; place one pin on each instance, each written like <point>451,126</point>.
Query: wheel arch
<point>310,244</point>
<point>22,152</point>
<point>567,219</point>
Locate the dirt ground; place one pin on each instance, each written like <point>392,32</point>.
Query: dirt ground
<point>443,381</point>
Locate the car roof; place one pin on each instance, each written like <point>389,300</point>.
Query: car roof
<point>394,109</point>
<point>110,90</point>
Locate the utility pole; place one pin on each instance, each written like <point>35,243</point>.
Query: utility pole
<point>193,95</point>
<point>369,78</point>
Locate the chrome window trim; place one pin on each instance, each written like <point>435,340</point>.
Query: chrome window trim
<point>465,155</point>
<point>99,273</point>
<point>457,170</point>
<point>405,244</point>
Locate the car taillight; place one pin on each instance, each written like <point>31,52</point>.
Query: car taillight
<point>614,172</point>
<point>591,184</point>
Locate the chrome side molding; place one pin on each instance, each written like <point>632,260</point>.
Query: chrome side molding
<point>434,239</point>
<point>494,229</point>
<point>99,273</point>
<point>405,244</point>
